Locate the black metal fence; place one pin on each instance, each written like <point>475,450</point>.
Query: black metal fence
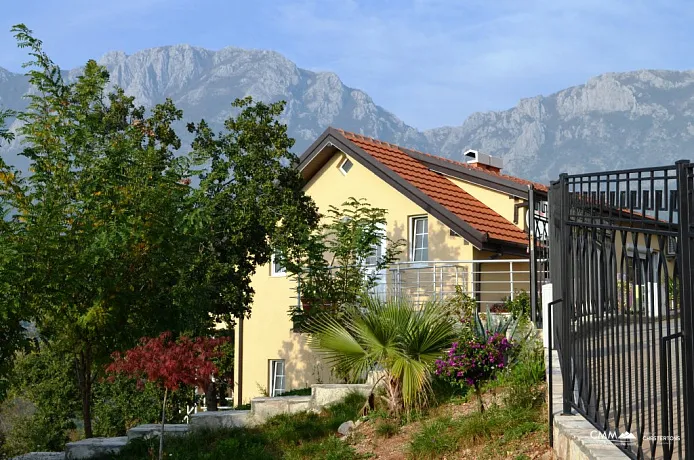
<point>621,254</point>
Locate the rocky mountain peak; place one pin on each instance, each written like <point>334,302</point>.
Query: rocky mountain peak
<point>613,120</point>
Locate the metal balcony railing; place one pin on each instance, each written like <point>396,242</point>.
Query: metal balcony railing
<point>490,282</point>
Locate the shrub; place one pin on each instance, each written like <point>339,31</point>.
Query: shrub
<point>519,306</point>
<point>524,376</point>
<point>474,362</point>
<point>40,407</point>
<point>387,428</point>
<point>462,305</point>
<point>120,404</point>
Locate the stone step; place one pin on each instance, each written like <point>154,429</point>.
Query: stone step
<point>221,419</point>
<point>151,430</point>
<point>94,447</point>
<point>264,408</point>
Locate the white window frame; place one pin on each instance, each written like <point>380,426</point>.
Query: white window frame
<point>343,163</point>
<point>414,235</point>
<point>274,367</point>
<point>273,268</point>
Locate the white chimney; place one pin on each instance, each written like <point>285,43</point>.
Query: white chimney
<point>486,161</point>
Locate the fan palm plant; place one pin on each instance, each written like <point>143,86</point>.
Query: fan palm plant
<point>393,335</point>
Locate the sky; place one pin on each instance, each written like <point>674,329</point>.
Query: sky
<point>430,62</point>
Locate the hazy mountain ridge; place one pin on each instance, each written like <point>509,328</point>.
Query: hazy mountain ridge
<point>615,120</point>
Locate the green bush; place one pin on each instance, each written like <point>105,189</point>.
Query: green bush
<point>39,411</point>
<point>387,428</point>
<point>519,306</point>
<point>119,405</point>
<point>524,376</point>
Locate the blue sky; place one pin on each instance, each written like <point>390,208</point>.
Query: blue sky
<point>431,62</point>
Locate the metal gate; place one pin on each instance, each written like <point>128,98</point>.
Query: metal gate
<point>621,256</point>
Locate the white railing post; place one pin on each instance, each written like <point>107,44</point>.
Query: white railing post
<point>433,266</point>
<point>510,264</point>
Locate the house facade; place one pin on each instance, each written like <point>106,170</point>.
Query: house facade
<point>464,224</point>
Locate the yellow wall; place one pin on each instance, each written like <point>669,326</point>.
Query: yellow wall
<point>267,335</point>
<point>500,202</point>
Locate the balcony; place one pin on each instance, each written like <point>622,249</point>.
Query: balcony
<point>490,282</point>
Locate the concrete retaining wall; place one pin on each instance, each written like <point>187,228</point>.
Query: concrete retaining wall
<point>322,395</point>
<point>575,438</point>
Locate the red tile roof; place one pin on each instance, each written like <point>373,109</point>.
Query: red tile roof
<point>440,189</point>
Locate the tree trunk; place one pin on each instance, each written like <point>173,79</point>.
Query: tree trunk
<point>480,402</point>
<point>211,397</point>
<point>84,376</point>
<point>395,401</point>
<point>163,421</point>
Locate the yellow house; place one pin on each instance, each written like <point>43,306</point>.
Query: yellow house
<point>464,223</point>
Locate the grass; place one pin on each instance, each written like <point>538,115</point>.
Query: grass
<point>298,392</point>
<point>510,427</point>
<point>497,427</point>
<point>299,436</point>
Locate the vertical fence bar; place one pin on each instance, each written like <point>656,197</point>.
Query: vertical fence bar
<point>531,253</point>
<point>565,341</point>
<point>684,188</point>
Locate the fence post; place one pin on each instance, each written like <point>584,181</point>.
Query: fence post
<point>567,304</point>
<point>531,253</point>
<point>684,191</point>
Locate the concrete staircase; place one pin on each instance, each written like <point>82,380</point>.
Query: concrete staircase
<point>261,410</point>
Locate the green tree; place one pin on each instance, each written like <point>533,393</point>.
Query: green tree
<point>341,259</point>
<point>98,223</point>
<point>11,331</point>
<point>249,204</point>
<point>395,335</point>
<point>5,134</point>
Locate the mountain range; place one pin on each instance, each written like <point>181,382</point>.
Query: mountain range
<point>614,120</point>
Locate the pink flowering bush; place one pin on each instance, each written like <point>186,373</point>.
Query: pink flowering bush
<point>475,360</point>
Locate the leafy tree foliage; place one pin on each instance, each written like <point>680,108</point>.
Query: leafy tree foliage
<point>98,222</point>
<point>341,260</point>
<point>169,364</point>
<point>250,202</point>
<point>107,240</point>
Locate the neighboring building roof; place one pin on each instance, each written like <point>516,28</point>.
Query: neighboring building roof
<point>410,172</point>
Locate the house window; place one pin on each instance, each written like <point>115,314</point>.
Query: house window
<point>276,387</point>
<point>345,166</point>
<point>275,268</point>
<point>420,239</point>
